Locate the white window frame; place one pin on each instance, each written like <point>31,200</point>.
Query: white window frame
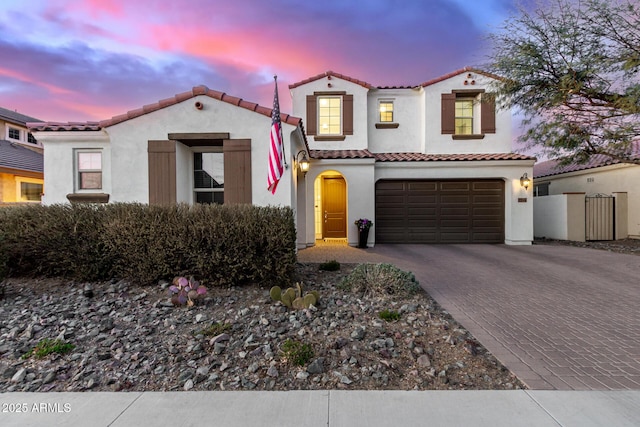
<point>15,129</point>
<point>320,130</point>
<point>193,184</point>
<point>77,171</point>
<point>380,112</point>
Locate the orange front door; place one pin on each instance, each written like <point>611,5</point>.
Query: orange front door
<point>334,203</point>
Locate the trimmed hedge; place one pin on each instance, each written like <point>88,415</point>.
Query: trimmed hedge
<point>220,244</point>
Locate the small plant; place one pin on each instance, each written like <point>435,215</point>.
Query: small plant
<point>214,330</point>
<point>389,315</point>
<point>363,224</point>
<point>296,352</point>
<point>294,297</point>
<point>381,280</point>
<point>48,346</point>
<point>332,265</point>
<point>186,291</point>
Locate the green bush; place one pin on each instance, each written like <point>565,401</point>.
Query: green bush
<point>380,280</point>
<point>296,352</point>
<point>389,315</point>
<point>332,265</point>
<point>48,346</point>
<point>220,244</point>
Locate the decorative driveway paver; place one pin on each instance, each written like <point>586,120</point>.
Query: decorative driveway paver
<point>559,317</point>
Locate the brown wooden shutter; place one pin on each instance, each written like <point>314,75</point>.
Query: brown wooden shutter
<point>347,114</point>
<point>312,115</point>
<point>237,171</point>
<point>488,113</point>
<point>448,105</point>
<point>162,172</point>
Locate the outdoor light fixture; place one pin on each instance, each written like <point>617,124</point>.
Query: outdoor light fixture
<point>303,163</point>
<point>525,181</point>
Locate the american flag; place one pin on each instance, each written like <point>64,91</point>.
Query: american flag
<point>276,149</point>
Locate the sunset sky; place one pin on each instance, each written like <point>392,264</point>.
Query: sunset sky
<point>83,60</point>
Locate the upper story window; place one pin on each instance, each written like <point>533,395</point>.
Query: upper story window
<point>464,116</point>
<point>468,114</point>
<point>31,138</point>
<point>14,133</point>
<point>386,111</point>
<point>329,116</point>
<point>208,177</point>
<point>541,189</point>
<point>89,170</point>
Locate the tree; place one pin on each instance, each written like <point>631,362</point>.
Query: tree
<point>573,69</point>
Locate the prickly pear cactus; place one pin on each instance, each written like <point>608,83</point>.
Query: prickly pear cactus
<point>276,293</point>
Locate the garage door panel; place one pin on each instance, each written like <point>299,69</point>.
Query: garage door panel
<point>433,211</point>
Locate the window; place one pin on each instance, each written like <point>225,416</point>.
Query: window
<point>540,190</point>
<point>468,114</point>
<point>89,167</point>
<point>14,133</point>
<point>386,111</point>
<point>30,192</point>
<point>31,138</point>
<point>330,115</point>
<point>464,116</point>
<point>208,177</point>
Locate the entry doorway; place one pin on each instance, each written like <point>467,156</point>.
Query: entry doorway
<point>331,207</point>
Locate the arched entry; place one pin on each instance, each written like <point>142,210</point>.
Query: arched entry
<point>331,206</point>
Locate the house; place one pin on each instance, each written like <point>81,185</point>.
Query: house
<point>600,176</point>
<point>429,163</point>
<point>21,160</point>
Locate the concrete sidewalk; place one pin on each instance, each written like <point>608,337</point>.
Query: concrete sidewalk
<point>323,408</point>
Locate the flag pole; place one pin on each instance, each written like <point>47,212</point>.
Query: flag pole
<point>284,155</point>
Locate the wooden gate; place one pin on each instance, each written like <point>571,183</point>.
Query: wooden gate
<point>599,217</point>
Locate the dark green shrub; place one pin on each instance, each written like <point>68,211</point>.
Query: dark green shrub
<point>220,244</point>
<point>389,315</point>
<point>332,265</point>
<point>48,346</point>
<point>296,352</point>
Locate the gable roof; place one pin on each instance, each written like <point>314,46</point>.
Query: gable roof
<point>331,74</point>
<point>15,156</point>
<point>180,97</point>
<point>458,72</point>
<point>15,117</point>
<point>413,157</point>
<point>551,168</point>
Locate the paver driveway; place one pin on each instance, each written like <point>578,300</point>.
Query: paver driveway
<point>559,317</point>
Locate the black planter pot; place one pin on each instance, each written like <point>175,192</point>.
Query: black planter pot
<point>363,236</point>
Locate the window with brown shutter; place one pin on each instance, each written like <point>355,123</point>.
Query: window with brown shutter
<point>336,115</point>
<point>162,172</point>
<point>488,113</point>
<point>458,127</point>
<point>237,171</point>
<point>448,106</point>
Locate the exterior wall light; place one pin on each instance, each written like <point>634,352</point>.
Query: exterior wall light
<point>303,163</point>
<point>525,181</point>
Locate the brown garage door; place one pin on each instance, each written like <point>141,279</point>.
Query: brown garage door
<point>452,211</point>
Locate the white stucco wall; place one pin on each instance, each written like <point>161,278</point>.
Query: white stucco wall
<point>437,143</point>
<point>561,216</point>
<point>357,141</point>
<point>125,157</point>
<point>604,180</point>
<point>59,162</point>
<point>408,113</point>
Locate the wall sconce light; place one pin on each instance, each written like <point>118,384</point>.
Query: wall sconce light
<point>303,163</point>
<point>525,181</point>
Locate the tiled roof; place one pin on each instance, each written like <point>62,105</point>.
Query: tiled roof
<point>341,154</point>
<point>550,167</point>
<point>331,74</point>
<point>413,157</point>
<point>420,157</point>
<point>460,71</point>
<point>15,156</point>
<point>15,117</point>
<point>196,91</point>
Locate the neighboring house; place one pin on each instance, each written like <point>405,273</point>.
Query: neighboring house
<point>601,176</point>
<point>430,163</point>
<point>21,160</point>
